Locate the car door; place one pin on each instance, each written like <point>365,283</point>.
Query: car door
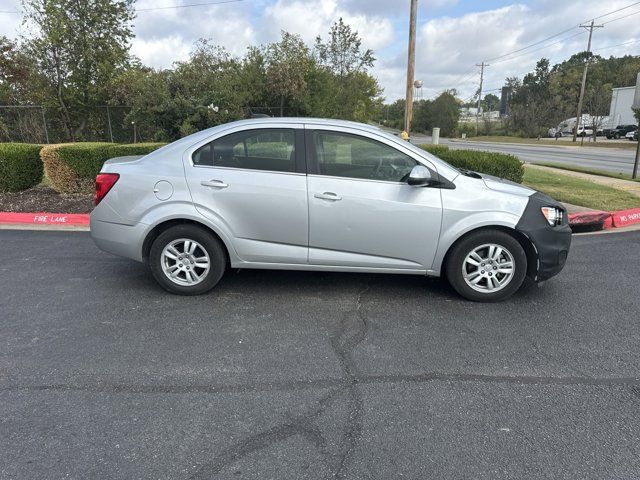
<point>361,210</point>
<point>252,183</point>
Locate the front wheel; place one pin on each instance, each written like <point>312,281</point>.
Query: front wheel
<point>487,266</point>
<point>187,260</point>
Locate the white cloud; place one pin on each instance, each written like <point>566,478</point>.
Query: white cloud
<point>161,52</point>
<point>314,17</point>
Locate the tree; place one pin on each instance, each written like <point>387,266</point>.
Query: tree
<point>15,68</point>
<point>597,103</point>
<point>490,102</point>
<point>287,67</point>
<point>443,112</point>
<point>531,106</point>
<point>354,91</point>
<point>79,46</point>
<point>343,53</point>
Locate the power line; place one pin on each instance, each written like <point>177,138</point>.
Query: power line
<point>631,42</point>
<point>621,18</point>
<point>187,5</point>
<point>615,11</point>
<point>150,9</point>
<point>541,48</point>
<point>566,31</point>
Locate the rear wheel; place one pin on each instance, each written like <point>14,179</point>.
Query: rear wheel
<point>487,266</point>
<point>187,260</point>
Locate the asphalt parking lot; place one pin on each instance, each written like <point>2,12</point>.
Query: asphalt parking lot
<point>294,375</point>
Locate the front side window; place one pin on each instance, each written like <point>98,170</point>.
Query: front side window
<point>271,149</point>
<point>353,156</point>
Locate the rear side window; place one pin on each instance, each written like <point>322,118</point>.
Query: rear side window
<point>353,156</point>
<point>271,149</point>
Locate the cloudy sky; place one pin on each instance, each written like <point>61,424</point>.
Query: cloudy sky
<point>453,35</point>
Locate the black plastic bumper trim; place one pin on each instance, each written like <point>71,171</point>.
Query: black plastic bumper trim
<point>551,243</point>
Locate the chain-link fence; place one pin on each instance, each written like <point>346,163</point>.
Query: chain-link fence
<point>38,124</point>
<point>273,111</point>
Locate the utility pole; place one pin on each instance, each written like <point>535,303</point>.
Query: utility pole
<point>590,27</point>
<point>636,106</point>
<point>411,63</point>
<point>481,65</point>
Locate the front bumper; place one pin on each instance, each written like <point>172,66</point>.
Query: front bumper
<point>552,244</point>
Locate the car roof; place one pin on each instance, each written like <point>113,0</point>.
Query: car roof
<point>306,120</point>
<point>195,137</point>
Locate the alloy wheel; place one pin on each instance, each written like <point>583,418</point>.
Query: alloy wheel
<point>185,262</point>
<point>488,268</point>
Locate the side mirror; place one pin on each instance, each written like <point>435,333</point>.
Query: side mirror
<point>420,176</point>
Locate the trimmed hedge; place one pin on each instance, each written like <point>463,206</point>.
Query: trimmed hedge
<point>72,167</point>
<point>492,163</point>
<point>436,150</point>
<point>20,166</point>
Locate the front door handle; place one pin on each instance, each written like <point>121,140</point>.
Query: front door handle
<point>214,184</point>
<point>328,196</point>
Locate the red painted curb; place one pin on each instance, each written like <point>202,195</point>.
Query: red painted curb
<point>592,218</point>
<point>61,219</point>
<point>624,218</point>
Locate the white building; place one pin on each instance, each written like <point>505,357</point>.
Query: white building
<point>620,112</point>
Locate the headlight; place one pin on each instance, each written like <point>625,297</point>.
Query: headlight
<point>553,215</point>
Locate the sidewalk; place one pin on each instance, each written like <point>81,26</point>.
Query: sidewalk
<point>627,185</point>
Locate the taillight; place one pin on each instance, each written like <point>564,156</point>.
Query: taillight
<point>104,182</point>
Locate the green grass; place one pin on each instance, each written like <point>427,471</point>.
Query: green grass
<point>549,141</point>
<point>579,192</point>
<point>602,173</point>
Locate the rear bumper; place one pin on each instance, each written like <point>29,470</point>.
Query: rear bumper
<point>552,244</point>
<point>122,240</point>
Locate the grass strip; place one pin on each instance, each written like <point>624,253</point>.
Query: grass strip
<point>577,191</point>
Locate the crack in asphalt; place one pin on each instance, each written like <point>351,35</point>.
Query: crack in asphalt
<point>301,425</point>
<point>351,332</point>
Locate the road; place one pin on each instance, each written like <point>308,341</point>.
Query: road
<point>294,375</point>
<point>615,160</point>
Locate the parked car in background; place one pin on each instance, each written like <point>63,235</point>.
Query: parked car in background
<point>620,131</point>
<point>327,195</point>
<point>632,135</point>
<point>584,131</point>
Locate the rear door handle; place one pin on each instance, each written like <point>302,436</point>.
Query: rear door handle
<point>328,196</point>
<point>214,184</point>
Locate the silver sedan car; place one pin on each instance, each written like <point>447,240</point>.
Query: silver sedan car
<point>314,194</point>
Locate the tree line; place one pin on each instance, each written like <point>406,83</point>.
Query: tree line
<point>540,100</point>
<point>75,60</point>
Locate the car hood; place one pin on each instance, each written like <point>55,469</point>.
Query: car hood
<point>507,186</point>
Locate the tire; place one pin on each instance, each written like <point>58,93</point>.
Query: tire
<point>503,283</point>
<point>190,276</point>
<point>617,136</point>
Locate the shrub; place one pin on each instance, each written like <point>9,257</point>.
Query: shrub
<point>20,166</point>
<point>492,163</point>
<point>436,150</point>
<point>72,167</point>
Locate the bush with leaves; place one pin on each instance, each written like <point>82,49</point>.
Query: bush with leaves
<point>20,166</point>
<point>72,167</point>
<point>500,165</point>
